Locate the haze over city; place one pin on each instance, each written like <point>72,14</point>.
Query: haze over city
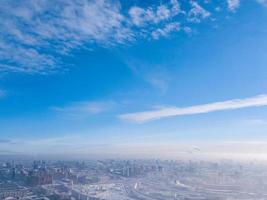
<point>133,100</point>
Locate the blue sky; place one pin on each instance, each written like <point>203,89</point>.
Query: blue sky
<point>96,76</point>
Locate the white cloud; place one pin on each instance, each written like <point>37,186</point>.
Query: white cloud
<point>198,109</point>
<point>262,2</point>
<point>35,32</point>
<point>233,4</point>
<point>197,13</point>
<point>84,108</point>
<point>34,35</point>
<point>141,17</point>
<point>166,30</point>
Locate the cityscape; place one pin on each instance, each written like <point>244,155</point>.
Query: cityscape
<point>132,180</point>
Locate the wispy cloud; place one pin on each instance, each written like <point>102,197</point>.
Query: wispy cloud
<point>260,100</point>
<point>157,76</point>
<point>36,34</point>
<point>5,141</point>
<point>84,108</point>
<point>233,4</point>
<point>262,2</point>
<point>166,30</point>
<point>197,12</point>
<point>255,121</point>
<point>143,16</point>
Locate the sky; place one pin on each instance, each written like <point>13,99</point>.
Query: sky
<point>148,78</point>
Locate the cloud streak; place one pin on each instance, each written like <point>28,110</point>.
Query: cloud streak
<point>256,101</point>
<point>84,108</point>
<point>4,141</point>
